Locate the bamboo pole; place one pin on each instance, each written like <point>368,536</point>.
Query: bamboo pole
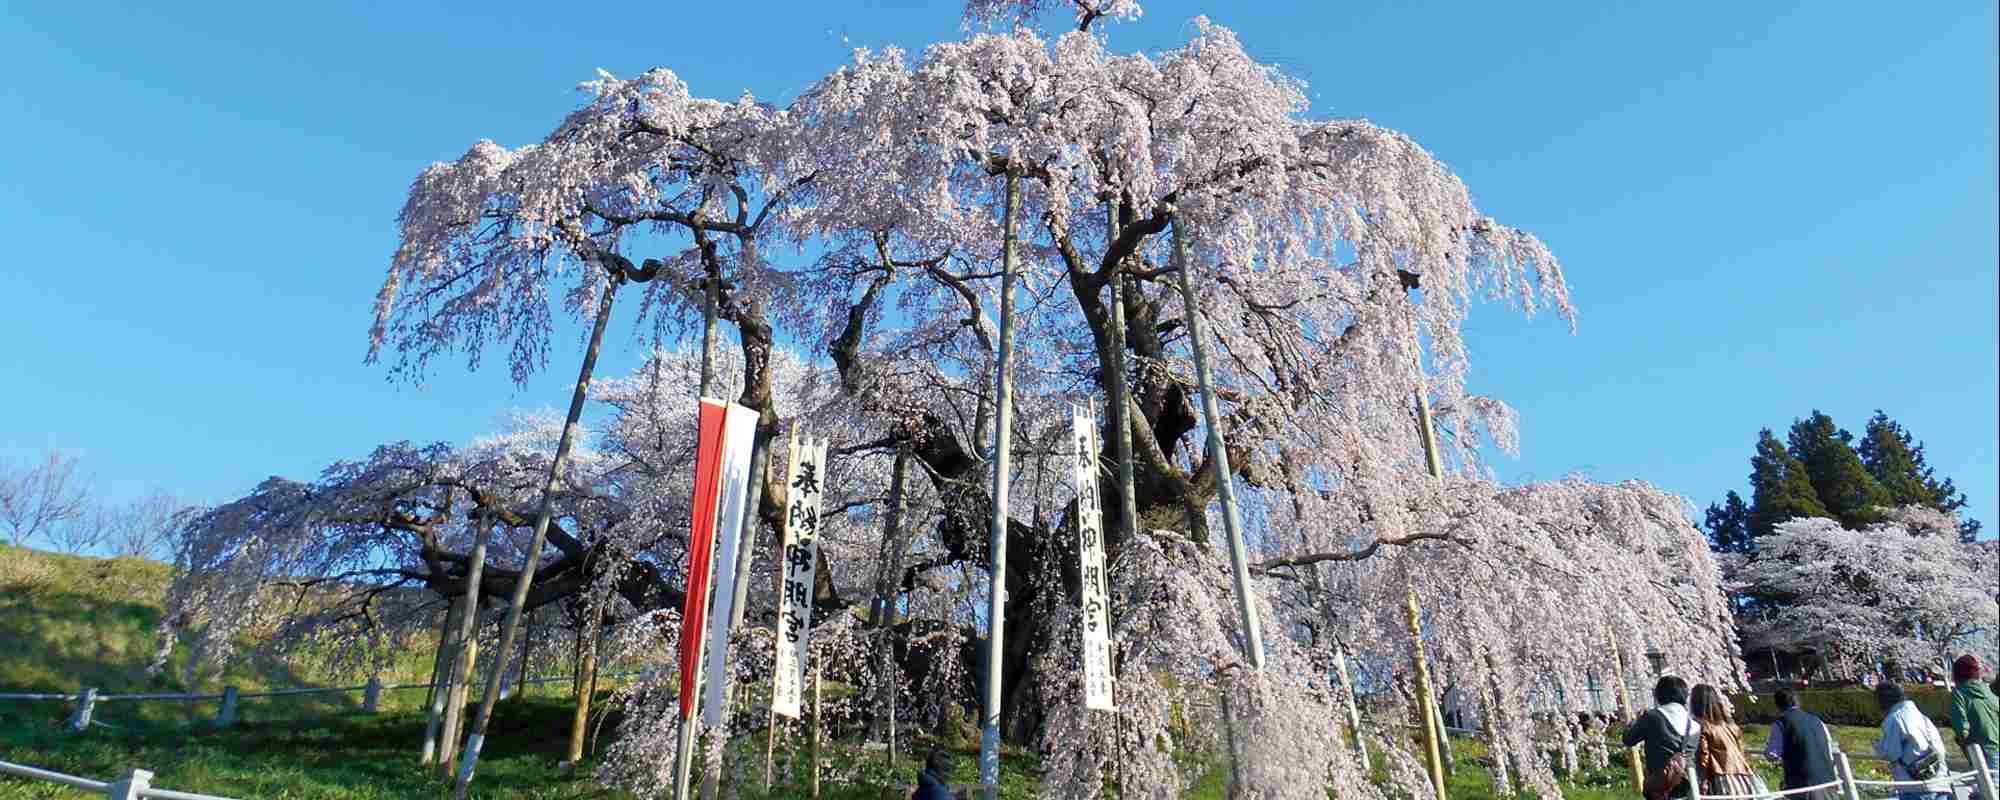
<point>989,735</point>
<point>1503,783</point>
<point>1353,709</point>
<point>1443,737</point>
<point>1625,710</point>
<point>1433,762</point>
<point>1218,454</point>
<point>511,629</point>
<point>1433,727</point>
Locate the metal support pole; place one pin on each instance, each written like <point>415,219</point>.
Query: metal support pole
<point>1846,775</point>
<point>135,785</point>
<point>1982,775</point>
<point>1218,454</point>
<point>86,704</point>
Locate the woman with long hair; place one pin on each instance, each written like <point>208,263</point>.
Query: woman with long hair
<point>1719,760</point>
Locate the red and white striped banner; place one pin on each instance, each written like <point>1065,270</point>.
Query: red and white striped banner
<point>727,431</point>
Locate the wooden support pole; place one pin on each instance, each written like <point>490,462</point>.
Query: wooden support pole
<point>1625,711</point>
<point>227,715</point>
<point>511,629</point>
<point>586,679</point>
<point>459,676</point>
<point>819,726</point>
<point>440,681</point>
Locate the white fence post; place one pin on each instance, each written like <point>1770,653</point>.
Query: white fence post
<point>227,716</point>
<point>86,703</point>
<point>130,787</point>
<point>371,697</point>
<point>1981,776</point>
<point>1846,775</point>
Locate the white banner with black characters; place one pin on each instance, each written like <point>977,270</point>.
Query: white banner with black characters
<point>1095,600</point>
<point>800,565</point>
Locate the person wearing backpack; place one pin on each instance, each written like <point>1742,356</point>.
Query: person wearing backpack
<point>1670,734</point>
<point>1975,715</point>
<point>1910,743</point>
<point>1800,741</point>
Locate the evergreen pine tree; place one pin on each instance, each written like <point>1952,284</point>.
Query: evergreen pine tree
<point>1728,525</point>
<point>1839,480</point>
<point>1896,460</point>
<point>1779,487</point>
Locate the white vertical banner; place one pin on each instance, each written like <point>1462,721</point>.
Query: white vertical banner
<point>739,431</point>
<point>800,564</point>
<point>1095,600</point>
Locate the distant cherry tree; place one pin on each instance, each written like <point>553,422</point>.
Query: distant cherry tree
<point>1905,591</point>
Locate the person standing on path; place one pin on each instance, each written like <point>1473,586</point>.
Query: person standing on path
<point>1975,714</point>
<point>1667,730</point>
<point>1719,758</point>
<point>1910,743</point>
<point>1801,743</point>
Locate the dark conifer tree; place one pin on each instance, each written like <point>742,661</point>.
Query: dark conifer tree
<point>1839,480</point>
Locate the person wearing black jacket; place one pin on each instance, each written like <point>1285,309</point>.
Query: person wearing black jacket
<point>1800,741</point>
<point>1666,730</point>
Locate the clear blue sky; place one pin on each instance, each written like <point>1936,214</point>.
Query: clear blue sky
<point>1764,208</point>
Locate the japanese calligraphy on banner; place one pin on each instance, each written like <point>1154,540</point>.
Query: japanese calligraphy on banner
<point>739,433</point>
<point>1095,600</point>
<point>800,565</point>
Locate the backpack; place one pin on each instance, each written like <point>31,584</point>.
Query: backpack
<point>1927,766</point>
<point>1661,785</point>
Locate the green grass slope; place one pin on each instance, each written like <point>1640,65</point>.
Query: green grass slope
<point>67,622</point>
